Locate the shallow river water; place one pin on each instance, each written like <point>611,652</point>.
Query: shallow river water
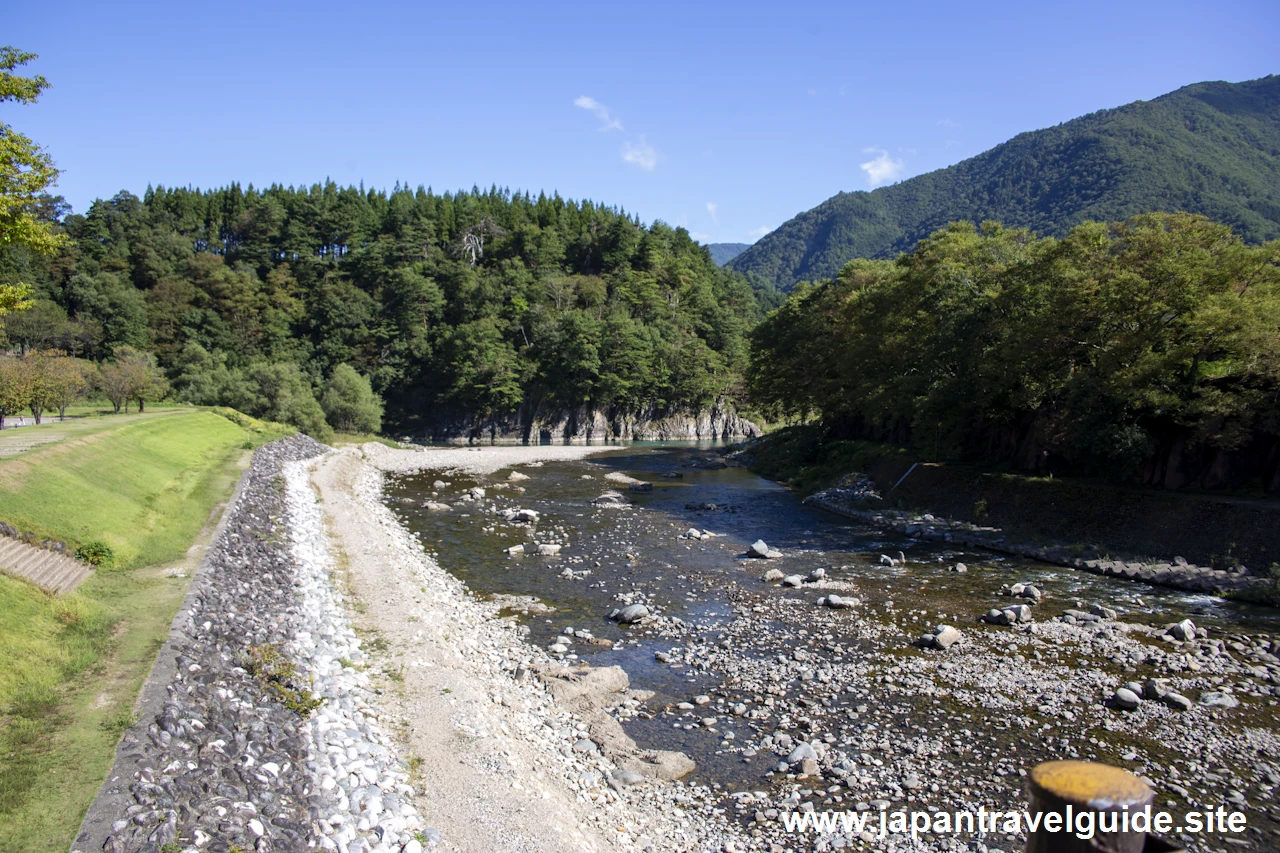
<point>712,589</point>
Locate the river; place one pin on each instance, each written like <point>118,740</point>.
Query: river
<point>850,678</point>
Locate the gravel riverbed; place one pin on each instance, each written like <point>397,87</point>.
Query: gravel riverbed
<point>819,679</point>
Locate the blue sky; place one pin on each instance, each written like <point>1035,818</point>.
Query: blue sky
<point>725,118</point>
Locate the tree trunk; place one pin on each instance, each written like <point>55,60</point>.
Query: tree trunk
<point>36,413</point>
<point>141,403</point>
<point>62,413</point>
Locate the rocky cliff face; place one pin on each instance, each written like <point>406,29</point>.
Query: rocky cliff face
<point>543,425</point>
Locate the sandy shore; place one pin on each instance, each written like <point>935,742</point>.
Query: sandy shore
<point>476,461</point>
<point>499,764</point>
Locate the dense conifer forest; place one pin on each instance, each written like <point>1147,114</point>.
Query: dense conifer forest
<point>470,303</point>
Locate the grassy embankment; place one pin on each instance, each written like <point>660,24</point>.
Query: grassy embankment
<point>71,668</point>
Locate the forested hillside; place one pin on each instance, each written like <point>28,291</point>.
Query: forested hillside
<point>722,253</point>
<point>464,307</point>
<point>1210,148</point>
<point>1142,350</point>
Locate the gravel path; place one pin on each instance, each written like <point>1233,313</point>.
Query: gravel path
<point>475,461</point>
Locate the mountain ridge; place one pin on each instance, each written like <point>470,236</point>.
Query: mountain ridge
<point>722,253</point>
<point>1210,148</point>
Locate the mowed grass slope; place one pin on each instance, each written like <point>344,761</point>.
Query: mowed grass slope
<point>71,668</point>
<point>142,486</point>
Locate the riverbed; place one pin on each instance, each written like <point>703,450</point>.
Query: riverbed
<point>743,670</point>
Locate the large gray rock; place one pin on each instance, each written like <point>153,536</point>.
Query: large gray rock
<point>1184,630</point>
<point>1127,699</point>
<point>943,637</point>
<point>663,764</point>
<point>610,499</point>
<point>1176,701</point>
<point>802,752</point>
<point>1104,612</point>
<point>1155,688</point>
<point>626,778</point>
<point>640,487</point>
<point>995,616</point>
<point>630,614</point>
<point>521,516</point>
<point>760,551</point>
<point>1218,699</point>
<point>773,576</point>
<point>841,602</point>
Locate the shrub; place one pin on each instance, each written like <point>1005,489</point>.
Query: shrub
<point>277,673</point>
<point>95,553</point>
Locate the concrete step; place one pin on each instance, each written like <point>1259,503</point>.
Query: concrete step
<point>67,577</point>
<point>43,569</point>
<point>51,571</point>
<point>9,548</point>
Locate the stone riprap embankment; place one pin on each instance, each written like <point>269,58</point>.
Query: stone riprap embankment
<point>847,500</point>
<point>363,799</point>
<point>218,760</point>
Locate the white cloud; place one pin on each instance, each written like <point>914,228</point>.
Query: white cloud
<point>607,119</point>
<point>701,236</point>
<point>946,122</point>
<point>640,154</point>
<point>881,169</point>
<point>712,209</point>
<point>757,233</point>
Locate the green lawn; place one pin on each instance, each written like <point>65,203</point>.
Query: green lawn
<point>71,668</point>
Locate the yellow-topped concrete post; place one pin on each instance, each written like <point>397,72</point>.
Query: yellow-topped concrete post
<point>1097,805</point>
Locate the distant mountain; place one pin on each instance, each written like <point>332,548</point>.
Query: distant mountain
<point>1210,148</point>
<point>722,253</point>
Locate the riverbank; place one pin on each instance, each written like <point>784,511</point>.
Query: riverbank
<point>1218,544</point>
<point>329,682</point>
<point>500,763</point>
<point>847,501</point>
<point>328,685</point>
